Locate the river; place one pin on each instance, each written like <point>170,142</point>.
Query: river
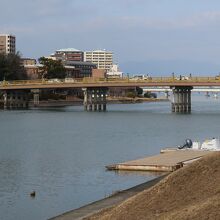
<point>61,153</point>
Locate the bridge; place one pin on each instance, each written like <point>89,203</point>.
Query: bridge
<point>165,89</point>
<point>16,93</point>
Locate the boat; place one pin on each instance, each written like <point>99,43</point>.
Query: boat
<point>207,145</point>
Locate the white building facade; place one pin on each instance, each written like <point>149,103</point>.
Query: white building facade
<point>114,72</point>
<point>102,58</point>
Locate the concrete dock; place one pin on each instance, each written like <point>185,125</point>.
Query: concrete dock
<point>168,161</point>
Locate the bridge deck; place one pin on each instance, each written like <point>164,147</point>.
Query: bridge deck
<point>168,161</point>
<point>124,82</point>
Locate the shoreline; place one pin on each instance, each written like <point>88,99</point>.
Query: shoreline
<point>121,100</point>
<point>186,193</point>
<point>106,203</point>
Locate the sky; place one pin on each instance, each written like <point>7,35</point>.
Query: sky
<point>156,37</point>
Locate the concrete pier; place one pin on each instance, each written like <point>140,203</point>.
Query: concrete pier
<point>16,99</point>
<point>95,99</point>
<point>181,99</point>
<point>36,96</point>
<point>167,162</point>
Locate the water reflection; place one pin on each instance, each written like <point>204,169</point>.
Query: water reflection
<point>139,173</point>
<point>10,179</point>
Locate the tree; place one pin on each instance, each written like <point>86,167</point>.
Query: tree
<point>11,67</point>
<point>139,91</point>
<point>51,68</point>
<point>150,95</point>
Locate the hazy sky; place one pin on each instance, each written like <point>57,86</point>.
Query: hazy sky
<point>148,36</point>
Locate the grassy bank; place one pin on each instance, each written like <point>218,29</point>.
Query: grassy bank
<point>192,192</point>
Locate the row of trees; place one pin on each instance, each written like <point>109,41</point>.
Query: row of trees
<point>11,68</point>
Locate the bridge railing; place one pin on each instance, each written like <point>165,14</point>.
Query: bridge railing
<point>111,80</point>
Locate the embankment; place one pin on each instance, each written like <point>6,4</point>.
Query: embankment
<point>192,192</point>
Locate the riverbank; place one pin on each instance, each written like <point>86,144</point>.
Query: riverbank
<point>78,102</point>
<point>108,202</point>
<point>127,100</point>
<point>191,192</point>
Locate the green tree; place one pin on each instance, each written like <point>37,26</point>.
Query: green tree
<point>139,91</point>
<point>131,94</point>
<point>11,67</point>
<point>51,68</point>
<point>150,95</point>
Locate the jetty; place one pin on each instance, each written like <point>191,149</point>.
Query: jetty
<point>166,161</point>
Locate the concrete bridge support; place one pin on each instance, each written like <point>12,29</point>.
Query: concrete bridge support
<point>36,96</point>
<point>16,99</point>
<point>181,99</point>
<point>95,99</point>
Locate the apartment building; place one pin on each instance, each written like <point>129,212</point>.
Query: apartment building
<point>68,54</point>
<point>102,58</point>
<point>7,44</point>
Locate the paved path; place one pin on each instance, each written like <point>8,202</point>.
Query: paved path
<point>97,206</point>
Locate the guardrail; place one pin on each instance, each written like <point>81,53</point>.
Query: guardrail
<point>112,80</point>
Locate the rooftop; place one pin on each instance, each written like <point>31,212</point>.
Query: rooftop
<point>7,35</point>
<point>100,51</point>
<point>68,50</point>
<point>69,63</point>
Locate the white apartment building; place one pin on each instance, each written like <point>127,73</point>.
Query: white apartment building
<point>102,58</point>
<point>7,44</point>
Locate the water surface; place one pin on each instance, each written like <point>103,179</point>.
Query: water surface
<point>61,153</point>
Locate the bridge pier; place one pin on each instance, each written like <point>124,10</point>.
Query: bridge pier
<point>181,99</point>
<point>36,96</point>
<point>95,99</point>
<point>16,99</point>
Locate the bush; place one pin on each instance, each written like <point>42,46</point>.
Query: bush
<point>150,95</point>
<point>131,94</point>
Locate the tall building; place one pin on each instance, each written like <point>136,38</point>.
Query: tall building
<point>7,44</point>
<point>68,54</point>
<point>103,59</point>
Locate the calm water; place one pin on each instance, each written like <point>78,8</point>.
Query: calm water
<point>61,153</point>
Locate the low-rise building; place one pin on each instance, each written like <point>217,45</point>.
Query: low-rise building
<point>69,54</point>
<point>33,71</point>
<point>28,61</point>
<point>114,72</point>
<point>99,73</point>
<point>79,69</point>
